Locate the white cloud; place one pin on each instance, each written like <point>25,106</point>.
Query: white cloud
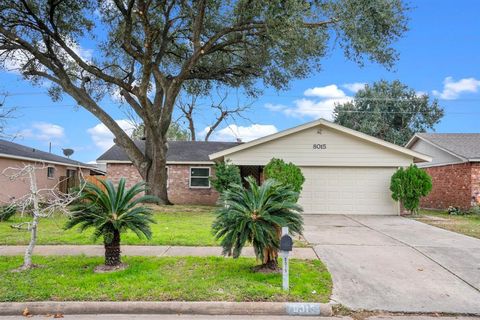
<point>103,138</point>
<point>45,132</point>
<point>18,58</point>
<point>15,60</point>
<point>452,89</point>
<point>354,86</point>
<point>233,132</point>
<point>85,54</point>
<point>314,109</point>
<point>330,91</point>
<point>420,93</point>
<point>322,107</point>
<point>275,107</point>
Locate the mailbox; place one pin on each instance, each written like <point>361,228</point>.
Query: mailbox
<point>286,243</point>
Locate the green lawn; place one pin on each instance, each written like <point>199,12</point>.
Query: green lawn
<point>176,225</point>
<point>465,224</point>
<point>160,279</point>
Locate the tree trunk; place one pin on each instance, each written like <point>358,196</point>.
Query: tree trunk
<point>156,174</point>
<point>270,259</point>
<point>112,251</point>
<point>27,260</point>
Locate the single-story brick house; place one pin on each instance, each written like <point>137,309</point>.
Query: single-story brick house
<point>53,171</point>
<point>455,168</point>
<point>346,172</point>
<point>188,167</point>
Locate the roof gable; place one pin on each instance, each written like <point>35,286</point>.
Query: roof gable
<point>322,122</point>
<point>465,146</point>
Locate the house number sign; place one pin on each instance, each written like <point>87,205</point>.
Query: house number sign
<point>318,146</point>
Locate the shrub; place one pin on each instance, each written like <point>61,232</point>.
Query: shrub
<point>285,173</point>
<point>475,209</point>
<point>6,212</point>
<point>455,211</point>
<point>409,185</point>
<point>111,211</point>
<point>255,214</point>
<point>225,175</point>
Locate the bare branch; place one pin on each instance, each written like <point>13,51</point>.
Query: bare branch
<point>39,203</point>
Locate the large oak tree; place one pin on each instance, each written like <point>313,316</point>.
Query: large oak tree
<point>147,50</point>
<point>390,111</point>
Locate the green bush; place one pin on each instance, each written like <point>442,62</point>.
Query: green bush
<point>255,215</point>
<point>6,212</point>
<point>475,209</point>
<point>112,210</point>
<point>409,185</point>
<point>285,173</point>
<point>455,211</point>
<point>225,175</point>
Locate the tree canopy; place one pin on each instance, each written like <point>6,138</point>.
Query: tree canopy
<point>390,111</point>
<point>175,132</point>
<point>147,52</point>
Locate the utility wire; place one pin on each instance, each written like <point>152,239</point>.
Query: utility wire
<point>286,96</point>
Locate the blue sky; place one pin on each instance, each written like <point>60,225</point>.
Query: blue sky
<point>439,55</point>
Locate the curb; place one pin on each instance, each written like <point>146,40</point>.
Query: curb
<point>168,307</point>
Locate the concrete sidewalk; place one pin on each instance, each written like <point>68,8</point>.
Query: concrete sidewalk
<point>151,251</point>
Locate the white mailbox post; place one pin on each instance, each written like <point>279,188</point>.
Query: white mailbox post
<point>286,245</point>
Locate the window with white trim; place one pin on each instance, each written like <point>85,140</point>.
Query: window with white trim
<point>199,177</point>
<point>168,169</point>
<point>50,172</point>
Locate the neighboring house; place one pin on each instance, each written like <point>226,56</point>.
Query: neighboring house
<point>52,171</point>
<point>346,172</point>
<point>455,168</point>
<point>188,169</point>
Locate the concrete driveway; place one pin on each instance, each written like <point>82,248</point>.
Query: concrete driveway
<point>397,264</point>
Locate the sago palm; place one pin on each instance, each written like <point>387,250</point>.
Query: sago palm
<point>110,211</point>
<point>255,214</point>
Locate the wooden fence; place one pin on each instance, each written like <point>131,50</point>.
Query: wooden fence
<point>95,180</point>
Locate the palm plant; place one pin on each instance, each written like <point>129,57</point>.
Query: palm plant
<point>255,215</point>
<point>111,211</point>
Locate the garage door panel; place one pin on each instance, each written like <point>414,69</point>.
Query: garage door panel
<point>334,190</point>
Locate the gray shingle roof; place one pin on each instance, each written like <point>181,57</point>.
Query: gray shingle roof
<point>184,151</point>
<point>8,148</point>
<point>466,145</point>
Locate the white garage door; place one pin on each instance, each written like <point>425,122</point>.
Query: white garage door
<point>336,190</point>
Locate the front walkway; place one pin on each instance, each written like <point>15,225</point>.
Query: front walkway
<point>397,264</point>
<point>154,251</point>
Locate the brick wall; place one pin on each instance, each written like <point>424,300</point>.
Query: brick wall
<point>179,191</point>
<point>476,183</point>
<point>451,187</point>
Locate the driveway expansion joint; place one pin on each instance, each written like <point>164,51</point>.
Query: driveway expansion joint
<point>420,252</point>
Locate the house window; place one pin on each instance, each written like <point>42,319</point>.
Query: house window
<point>199,177</point>
<point>50,172</point>
<point>167,169</point>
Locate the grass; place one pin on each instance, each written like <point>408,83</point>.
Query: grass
<point>160,279</point>
<point>175,226</point>
<point>464,224</point>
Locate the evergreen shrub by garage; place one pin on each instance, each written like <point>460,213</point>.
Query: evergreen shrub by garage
<point>409,185</point>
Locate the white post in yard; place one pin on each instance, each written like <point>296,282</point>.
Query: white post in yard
<point>285,248</point>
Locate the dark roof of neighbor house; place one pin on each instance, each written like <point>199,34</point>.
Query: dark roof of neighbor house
<point>13,150</point>
<point>465,145</point>
<point>182,151</point>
